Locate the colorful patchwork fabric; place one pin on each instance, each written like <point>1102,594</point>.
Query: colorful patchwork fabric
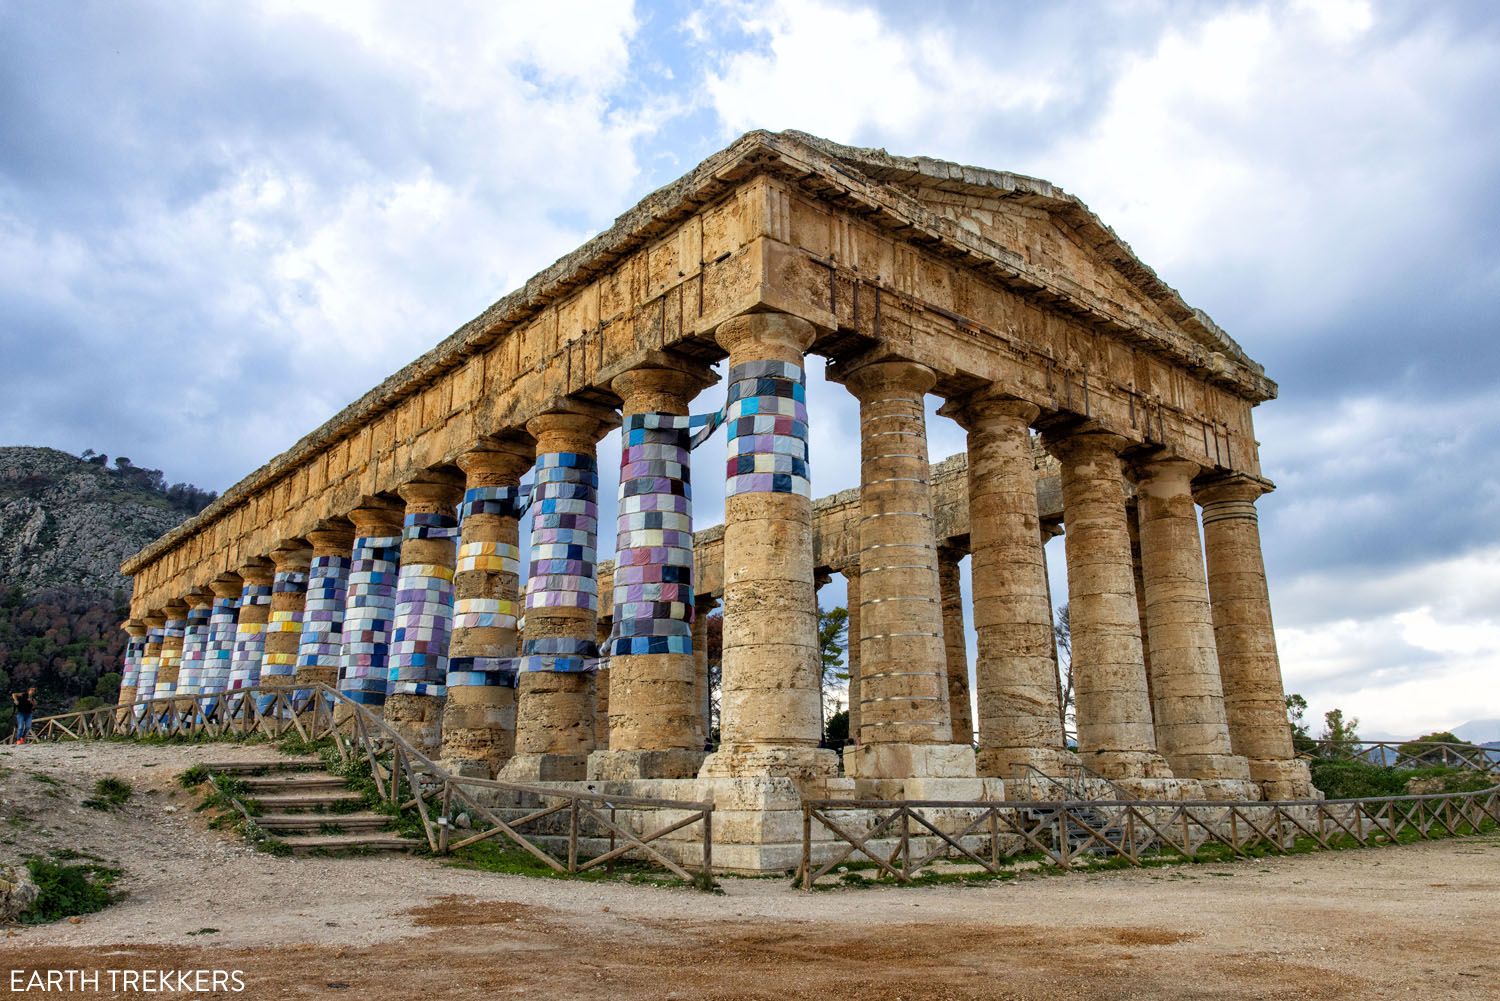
<point>560,654</point>
<point>171,657</point>
<point>482,671</point>
<point>368,617</point>
<point>766,417</point>
<point>323,616</point>
<point>284,665</point>
<point>150,664</point>
<point>249,640</point>
<point>564,533</point>
<point>653,582</point>
<point>194,649</point>
<point>218,655</point>
<point>130,675</point>
<point>508,502</point>
<point>424,614</point>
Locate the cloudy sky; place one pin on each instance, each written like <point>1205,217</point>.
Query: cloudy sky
<point>221,222</point>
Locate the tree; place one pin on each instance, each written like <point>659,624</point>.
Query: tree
<point>1422,750</point>
<point>833,643</point>
<point>1062,635</point>
<point>1296,711</point>
<point>1340,735</point>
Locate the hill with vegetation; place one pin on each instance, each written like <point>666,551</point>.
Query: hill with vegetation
<point>66,523</point>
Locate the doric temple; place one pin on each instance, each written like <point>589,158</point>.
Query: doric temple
<point>380,554</point>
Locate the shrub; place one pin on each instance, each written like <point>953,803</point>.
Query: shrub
<point>1351,779</point>
<point>68,890</point>
<point>109,793</point>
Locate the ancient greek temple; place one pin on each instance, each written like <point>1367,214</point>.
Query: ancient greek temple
<point>380,554</point>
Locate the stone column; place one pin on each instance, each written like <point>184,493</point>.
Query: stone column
<point>278,666</point>
<point>194,646</point>
<point>769,725</point>
<point>218,656</point>
<point>702,687</point>
<point>1192,732</point>
<point>559,644</point>
<point>1016,674</point>
<point>479,719</point>
<point>1133,523</point>
<point>1254,699</point>
<point>424,610</point>
<point>370,605</point>
<point>852,589</point>
<point>250,629</point>
<point>603,629</point>
<point>156,621</point>
<point>320,644</point>
<point>172,635</point>
<point>1115,735</point>
<point>955,645</point>
<point>651,670</point>
<point>904,718</point>
<point>130,674</point>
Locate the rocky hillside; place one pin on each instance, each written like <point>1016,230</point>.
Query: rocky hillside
<point>66,523</point>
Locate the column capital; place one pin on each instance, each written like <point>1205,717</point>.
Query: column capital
<point>259,571</point>
<point>200,597</point>
<point>1232,487</point>
<point>951,553</point>
<point>886,377</point>
<point>292,556</point>
<point>377,516</point>
<point>332,538</point>
<point>227,585</point>
<point>661,388</point>
<point>498,462</point>
<point>175,609</point>
<point>1083,441</point>
<point>985,408</point>
<point>765,336</point>
<point>136,628</point>
<point>1165,475</point>
<point>155,618</point>
<point>433,492</point>
<point>566,431</point>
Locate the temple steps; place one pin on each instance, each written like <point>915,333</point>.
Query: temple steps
<point>308,800</point>
<point>254,767</point>
<point>312,822</point>
<point>294,782</point>
<point>385,841</point>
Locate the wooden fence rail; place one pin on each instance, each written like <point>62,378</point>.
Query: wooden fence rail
<point>407,778</point>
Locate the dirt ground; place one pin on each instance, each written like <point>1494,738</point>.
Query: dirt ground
<point>1357,924</point>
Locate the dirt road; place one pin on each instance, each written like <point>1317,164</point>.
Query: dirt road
<point>1358,924</point>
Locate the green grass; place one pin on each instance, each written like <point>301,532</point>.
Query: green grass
<point>193,777</point>
<point>44,779</point>
<point>110,793</point>
<point>68,890</point>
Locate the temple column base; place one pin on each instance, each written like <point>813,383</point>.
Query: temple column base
<point>1281,780</point>
<point>531,768</point>
<point>625,765</point>
<point>803,764</point>
<point>918,771</point>
<point>1239,790</point>
<point>1015,762</point>
<point>479,729</point>
<point>418,719</point>
<point>1121,765</point>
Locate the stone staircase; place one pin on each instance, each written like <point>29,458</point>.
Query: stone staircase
<point>308,809</point>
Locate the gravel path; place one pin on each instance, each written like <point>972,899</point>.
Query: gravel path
<point>1369,923</point>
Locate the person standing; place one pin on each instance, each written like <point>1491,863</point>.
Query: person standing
<point>25,707</point>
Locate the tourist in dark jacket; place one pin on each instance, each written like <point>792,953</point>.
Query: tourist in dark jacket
<point>25,707</point>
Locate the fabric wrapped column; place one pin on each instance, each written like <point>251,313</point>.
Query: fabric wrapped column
<point>320,643</point>
<point>1187,699</point>
<point>906,728</point>
<point>250,629</point>
<point>371,604</point>
<point>284,626</point>
<point>479,719</point>
<point>424,610</point>
<point>1115,734</point>
<point>156,621</point>
<point>955,645</point>
<point>194,648</point>
<point>651,670</point>
<point>218,655</point>
<point>1020,723</point>
<point>559,649</point>
<point>1254,699</point>
<point>170,669</point>
<point>770,710</point>
<point>130,672</point>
